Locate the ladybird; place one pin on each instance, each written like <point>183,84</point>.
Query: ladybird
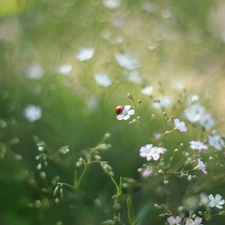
<point>119,109</point>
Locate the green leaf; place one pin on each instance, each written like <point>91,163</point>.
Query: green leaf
<point>136,222</point>
<point>130,212</point>
<point>120,186</point>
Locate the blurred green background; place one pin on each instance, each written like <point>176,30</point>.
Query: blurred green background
<point>172,41</point>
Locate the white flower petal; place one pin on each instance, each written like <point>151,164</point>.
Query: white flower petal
<point>126,62</point>
<point>103,80</point>
<point>85,54</point>
<point>111,3</point>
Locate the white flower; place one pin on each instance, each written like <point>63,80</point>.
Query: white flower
<point>196,221</point>
<point>206,121</point>
<point>201,165</point>
<point>111,3</point>
<point>204,199</point>
<point>92,104</point>
<point>216,141</point>
<point>134,77</point>
<point>126,62</point>
<point>162,102</point>
<point>103,80</point>
<point>180,125</point>
<point>145,150</point>
<point>147,172</point>
<point>126,113</point>
<point>177,85</point>
<point>64,69</point>
<point>34,71</point>
<point>174,221</point>
<point>216,202</point>
<point>151,152</point>
<point>147,90</point>
<point>85,54</point>
<point>194,112</point>
<point>195,98</point>
<point>197,145</point>
<point>32,113</point>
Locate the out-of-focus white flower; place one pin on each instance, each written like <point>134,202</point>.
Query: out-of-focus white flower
<point>216,141</point>
<point>34,71</point>
<point>194,112</point>
<point>174,221</point>
<point>126,62</point>
<point>201,166</point>
<point>147,90</point>
<point>196,221</point>
<point>126,113</point>
<point>163,102</point>
<point>32,113</point>
<point>85,54</point>
<point>111,3</point>
<point>195,98</point>
<point>103,80</point>
<point>177,85</point>
<point>92,104</point>
<point>216,201</point>
<point>180,125</point>
<point>147,172</point>
<point>134,77</point>
<point>64,69</point>
<point>206,121</point>
<point>204,199</point>
<point>197,145</point>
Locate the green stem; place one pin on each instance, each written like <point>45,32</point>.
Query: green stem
<point>81,176</point>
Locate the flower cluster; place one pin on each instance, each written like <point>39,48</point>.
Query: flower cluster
<point>194,113</point>
<point>197,113</point>
<point>151,152</point>
<point>176,221</point>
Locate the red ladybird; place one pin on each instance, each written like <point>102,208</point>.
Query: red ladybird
<point>119,109</point>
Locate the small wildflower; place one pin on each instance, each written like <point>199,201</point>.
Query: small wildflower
<point>162,103</point>
<point>204,199</point>
<point>126,113</point>
<point>197,145</point>
<point>196,221</point>
<point>216,141</point>
<point>206,121</point>
<point>174,221</point>
<point>195,98</point>
<point>34,71</point>
<point>32,113</point>
<point>151,152</point>
<point>216,202</point>
<point>134,77</point>
<point>194,112</point>
<point>64,69</point>
<point>201,165</point>
<point>111,3</point>
<point>85,54</point>
<point>126,62</point>
<point>147,90</point>
<point>180,125</point>
<point>103,80</point>
<point>147,172</point>
<point>177,85</point>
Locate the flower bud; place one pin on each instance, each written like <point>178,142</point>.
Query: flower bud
<point>129,95</point>
<point>166,182</point>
